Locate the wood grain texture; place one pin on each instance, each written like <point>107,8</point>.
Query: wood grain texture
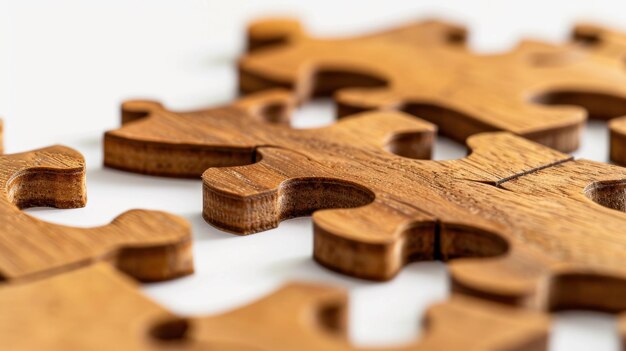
<point>610,46</point>
<point>520,223</point>
<point>424,70</point>
<point>148,245</point>
<point>159,142</point>
<point>47,314</point>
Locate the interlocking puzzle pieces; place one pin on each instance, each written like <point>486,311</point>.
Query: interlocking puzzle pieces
<point>521,223</point>
<point>608,45</point>
<point>148,245</point>
<point>312,317</point>
<point>416,69</point>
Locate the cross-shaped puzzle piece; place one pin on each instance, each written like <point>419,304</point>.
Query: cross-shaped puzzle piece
<point>148,245</point>
<point>525,222</point>
<point>298,316</point>
<point>426,73</point>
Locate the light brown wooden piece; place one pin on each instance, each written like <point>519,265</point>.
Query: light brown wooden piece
<point>609,45</point>
<point>518,220</point>
<point>58,314</point>
<point>416,69</point>
<point>148,245</point>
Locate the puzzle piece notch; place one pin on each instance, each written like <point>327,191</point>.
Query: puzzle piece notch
<point>312,318</point>
<point>147,245</point>
<point>463,93</point>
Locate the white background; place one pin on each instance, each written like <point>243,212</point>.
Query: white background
<point>67,65</point>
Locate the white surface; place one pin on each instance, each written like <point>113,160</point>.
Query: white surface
<point>66,66</point>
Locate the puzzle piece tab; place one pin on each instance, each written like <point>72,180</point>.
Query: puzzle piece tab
<point>312,317</point>
<point>462,92</point>
<point>511,216</point>
<point>147,245</point>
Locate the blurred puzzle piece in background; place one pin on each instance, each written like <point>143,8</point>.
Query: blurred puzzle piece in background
<point>424,69</point>
<point>299,316</point>
<point>148,245</point>
<point>608,45</point>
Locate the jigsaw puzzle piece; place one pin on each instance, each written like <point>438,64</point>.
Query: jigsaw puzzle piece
<point>147,245</point>
<point>379,211</point>
<point>184,144</point>
<point>428,213</point>
<point>284,183</point>
<point>554,221</point>
<point>156,141</point>
<point>322,81</point>
<point>605,42</point>
<point>281,31</point>
<point>500,215</point>
<point>58,314</point>
<point>608,46</point>
<point>590,195</point>
<point>272,31</point>
<point>550,221</point>
<point>486,326</point>
<point>463,93</point>
<point>386,230</point>
<point>254,198</point>
<point>312,317</point>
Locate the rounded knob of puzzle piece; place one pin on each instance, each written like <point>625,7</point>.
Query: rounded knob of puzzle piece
<point>272,31</point>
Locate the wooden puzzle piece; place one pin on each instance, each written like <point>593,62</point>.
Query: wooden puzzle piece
<point>57,314</point>
<point>280,31</point>
<point>609,46</point>
<point>462,92</point>
<point>148,245</point>
<point>521,222</point>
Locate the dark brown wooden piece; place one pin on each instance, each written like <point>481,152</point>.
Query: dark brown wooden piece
<point>522,223</point>
<point>148,245</point>
<point>422,69</point>
<point>58,314</point>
